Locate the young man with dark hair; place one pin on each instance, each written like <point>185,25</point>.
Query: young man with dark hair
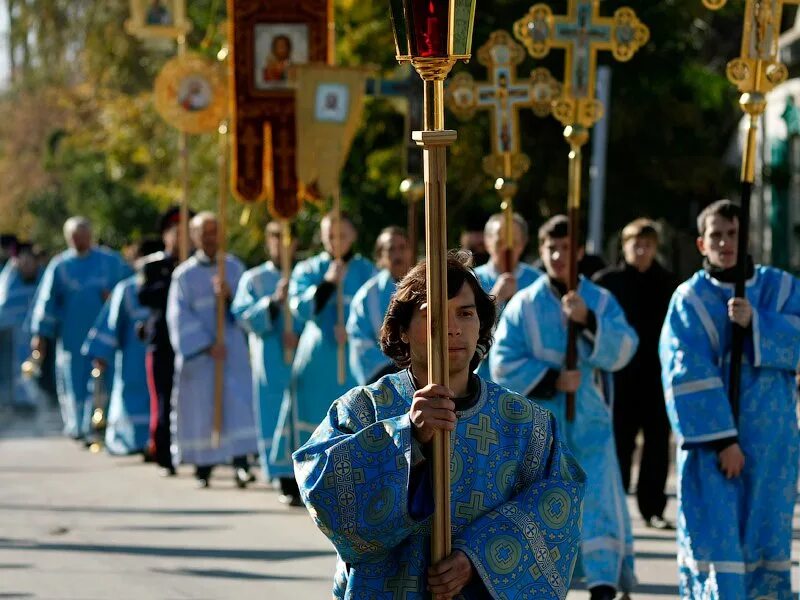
<point>643,289</point>
<point>393,256</point>
<point>737,477</point>
<point>528,357</point>
<point>516,491</point>
<point>262,297</point>
<point>313,290</point>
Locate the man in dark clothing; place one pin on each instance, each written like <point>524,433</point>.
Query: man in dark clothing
<point>156,275</point>
<point>643,288</point>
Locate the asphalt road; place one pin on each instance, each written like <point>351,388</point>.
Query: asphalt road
<point>75,525</point>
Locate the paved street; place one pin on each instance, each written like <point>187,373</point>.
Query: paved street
<point>93,527</point>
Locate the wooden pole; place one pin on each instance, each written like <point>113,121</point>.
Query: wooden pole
<point>577,136</point>
<point>286,273</point>
<point>183,152</point>
<point>337,232</point>
<point>222,301</point>
<point>434,141</point>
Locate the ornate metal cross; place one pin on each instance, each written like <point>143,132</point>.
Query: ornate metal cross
<point>581,33</point>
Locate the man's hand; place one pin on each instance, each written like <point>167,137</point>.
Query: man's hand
<point>448,577</point>
<point>432,409</point>
<point>290,339</point>
<point>505,287</point>
<point>340,333</point>
<point>574,308</point>
<point>731,461</point>
<point>740,311</point>
<point>217,352</point>
<point>221,287</point>
<point>568,381</point>
<point>336,271</point>
<point>281,291</point>
<point>39,344</point>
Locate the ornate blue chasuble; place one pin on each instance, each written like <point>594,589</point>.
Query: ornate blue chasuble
<point>530,340</point>
<point>314,378</point>
<point>114,339</point>
<point>252,307</point>
<point>516,495</point>
<point>367,311</point>
<point>734,536</point>
<point>487,276</point>
<point>68,300</point>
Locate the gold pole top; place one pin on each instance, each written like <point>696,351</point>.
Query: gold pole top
<point>433,69</point>
<point>576,135</point>
<point>507,188</point>
<point>753,103</point>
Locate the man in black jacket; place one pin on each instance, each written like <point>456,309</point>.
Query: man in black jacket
<point>156,275</point>
<point>643,288</point>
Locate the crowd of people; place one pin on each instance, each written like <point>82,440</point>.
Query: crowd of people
<point>324,384</point>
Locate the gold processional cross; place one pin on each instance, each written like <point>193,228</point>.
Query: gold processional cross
<point>581,33</point>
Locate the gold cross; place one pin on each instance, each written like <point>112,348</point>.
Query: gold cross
<point>581,33</point>
<point>503,96</point>
<point>758,69</point>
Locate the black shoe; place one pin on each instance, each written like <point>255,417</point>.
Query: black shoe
<point>602,592</point>
<point>167,472</point>
<point>242,477</point>
<point>290,500</point>
<point>660,523</point>
<point>202,484</point>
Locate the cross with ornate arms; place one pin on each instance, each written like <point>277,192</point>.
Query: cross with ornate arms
<point>581,33</point>
<point>504,96</point>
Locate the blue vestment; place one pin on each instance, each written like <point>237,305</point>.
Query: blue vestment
<point>314,378</point>
<point>16,298</point>
<point>487,276</point>
<point>530,342</point>
<point>70,296</point>
<point>114,340</point>
<point>734,536</point>
<point>369,306</point>
<point>192,322</point>
<point>264,320</point>
<point>516,495</point>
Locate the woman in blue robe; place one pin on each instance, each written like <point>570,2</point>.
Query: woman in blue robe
<point>528,357</point>
<point>259,304</point>
<point>737,480</point>
<point>516,490</point>
<point>368,308</point>
<point>74,287</point>
<point>312,293</point>
<point>114,341</point>
<point>192,322</point>
<point>18,282</point>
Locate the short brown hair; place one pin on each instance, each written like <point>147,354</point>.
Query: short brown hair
<point>642,227</point>
<point>412,293</point>
<point>391,230</point>
<point>721,208</point>
<point>556,227</point>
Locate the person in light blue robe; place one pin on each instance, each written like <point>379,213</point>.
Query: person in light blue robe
<point>192,323</point>
<point>497,278</point>
<point>74,287</point>
<point>516,490</point>
<point>260,305</point>
<point>114,347</point>
<point>18,282</point>
<point>313,290</point>
<point>368,308</point>
<point>528,357</point>
<point>737,479</point>
<point>8,243</point>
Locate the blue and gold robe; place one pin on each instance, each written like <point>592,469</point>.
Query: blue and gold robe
<point>16,298</point>
<point>487,276</point>
<point>734,536</point>
<point>192,323</point>
<point>114,340</point>
<point>314,378</point>
<point>530,342</point>
<point>72,293</point>
<point>253,308</point>
<point>367,310</point>
<point>516,495</point>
